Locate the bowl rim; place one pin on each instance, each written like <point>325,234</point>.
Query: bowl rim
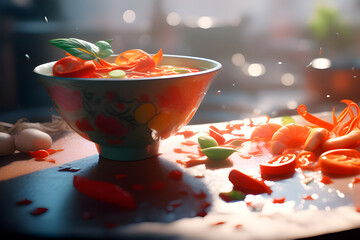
<point>217,67</point>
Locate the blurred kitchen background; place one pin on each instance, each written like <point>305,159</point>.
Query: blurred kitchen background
<point>276,54</point>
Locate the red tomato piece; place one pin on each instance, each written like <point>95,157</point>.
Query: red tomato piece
<point>340,162</point>
<point>217,136</point>
<point>306,160</point>
<point>104,191</point>
<point>247,184</point>
<point>280,165</point>
<point>71,66</point>
<point>39,154</point>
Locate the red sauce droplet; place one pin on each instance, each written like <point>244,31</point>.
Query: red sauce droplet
<point>279,200</point>
<point>200,195</point>
<point>38,211</point>
<point>175,175</point>
<point>189,143</point>
<point>356,180</point>
<point>186,133</point>
<point>179,150</point>
<point>238,226</point>
<point>326,180</point>
<point>308,197</point>
<point>219,223</point>
<point>24,202</point>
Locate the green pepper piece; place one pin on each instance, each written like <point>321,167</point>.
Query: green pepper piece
<point>233,195</point>
<point>218,153</point>
<point>117,74</point>
<point>206,142</point>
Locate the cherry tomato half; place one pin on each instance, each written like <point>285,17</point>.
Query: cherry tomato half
<point>280,165</point>
<point>71,66</point>
<point>340,162</point>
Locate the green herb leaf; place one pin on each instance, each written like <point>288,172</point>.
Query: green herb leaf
<point>83,49</point>
<point>287,119</point>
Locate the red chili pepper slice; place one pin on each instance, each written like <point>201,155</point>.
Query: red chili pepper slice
<point>104,191</point>
<point>340,162</point>
<point>71,66</point>
<point>280,165</point>
<point>247,184</point>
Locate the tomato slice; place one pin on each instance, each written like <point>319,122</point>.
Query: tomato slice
<point>247,184</point>
<point>340,162</point>
<point>306,160</point>
<point>71,66</point>
<point>137,59</point>
<point>280,165</point>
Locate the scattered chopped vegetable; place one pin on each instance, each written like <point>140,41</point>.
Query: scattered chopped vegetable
<point>280,165</point>
<point>247,184</point>
<point>232,196</point>
<point>206,142</point>
<point>340,162</point>
<point>104,191</point>
<point>218,153</point>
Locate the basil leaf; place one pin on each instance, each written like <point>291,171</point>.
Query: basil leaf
<point>83,49</point>
<point>104,49</point>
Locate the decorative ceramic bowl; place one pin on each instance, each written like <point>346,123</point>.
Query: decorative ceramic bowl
<point>126,119</point>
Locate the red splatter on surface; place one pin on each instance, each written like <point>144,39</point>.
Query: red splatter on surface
<point>200,195</point>
<point>189,143</point>
<point>238,226</point>
<point>279,200</point>
<point>23,202</point>
<point>307,197</point>
<point>175,175</point>
<point>356,180</point>
<point>38,211</point>
<point>219,223</point>
<point>186,133</point>
<point>326,180</point>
